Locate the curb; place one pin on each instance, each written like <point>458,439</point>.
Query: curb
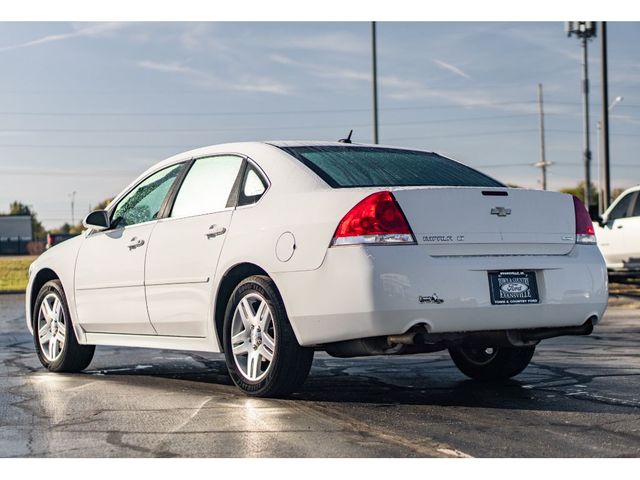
<point>11,292</point>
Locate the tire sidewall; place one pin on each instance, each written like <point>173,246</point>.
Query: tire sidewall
<point>52,286</point>
<point>253,285</point>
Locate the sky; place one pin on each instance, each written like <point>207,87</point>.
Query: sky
<point>86,107</point>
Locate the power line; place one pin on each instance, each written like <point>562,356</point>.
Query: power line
<point>298,112</point>
<point>67,173</point>
<point>503,132</point>
<point>558,164</point>
<point>284,127</point>
<point>187,147</point>
<point>18,145</point>
<point>262,112</point>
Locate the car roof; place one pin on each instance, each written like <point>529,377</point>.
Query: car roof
<point>246,147</point>
<point>312,143</point>
<point>250,149</point>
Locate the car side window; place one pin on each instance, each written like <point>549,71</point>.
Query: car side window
<point>207,186</point>
<point>635,212</point>
<point>252,188</point>
<point>143,203</point>
<point>622,207</point>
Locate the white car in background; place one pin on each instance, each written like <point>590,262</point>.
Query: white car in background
<point>618,233</point>
<point>269,251</point>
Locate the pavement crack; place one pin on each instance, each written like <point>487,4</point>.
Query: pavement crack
<point>426,446</point>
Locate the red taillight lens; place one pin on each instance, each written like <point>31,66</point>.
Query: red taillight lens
<point>376,219</point>
<point>585,232</point>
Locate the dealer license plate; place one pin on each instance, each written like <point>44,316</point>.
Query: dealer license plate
<point>513,287</point>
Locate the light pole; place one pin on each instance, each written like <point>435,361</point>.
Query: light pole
<point>73,204</point>
<point>604,194</point>
<point>542,164</point>
<point>374,68</point>
<point>584,31</point>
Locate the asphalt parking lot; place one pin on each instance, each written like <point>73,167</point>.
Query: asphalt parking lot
<point>579,398</point>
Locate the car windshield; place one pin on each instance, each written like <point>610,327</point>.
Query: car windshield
<point>354,166</point>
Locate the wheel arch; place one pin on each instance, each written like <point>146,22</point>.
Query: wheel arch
<point>43,276</point>
<point>230,280</point>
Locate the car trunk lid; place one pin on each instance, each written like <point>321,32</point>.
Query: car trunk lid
<point>489,221</point>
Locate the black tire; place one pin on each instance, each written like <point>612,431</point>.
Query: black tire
<point>290,363</point>
<point>73,357</point>
<point>500,364</point>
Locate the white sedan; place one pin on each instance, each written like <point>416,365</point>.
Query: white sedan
<point>269,251</point>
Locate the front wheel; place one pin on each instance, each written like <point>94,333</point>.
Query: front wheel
<point>53,335</point>
<point>491,363</point>
<point>263,356</point>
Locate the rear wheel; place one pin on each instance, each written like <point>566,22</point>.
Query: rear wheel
<point>491,363</point>
<point>53,335</point>
<point>263,356</point>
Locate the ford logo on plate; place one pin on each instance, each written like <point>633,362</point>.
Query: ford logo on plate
<point>514,287</point>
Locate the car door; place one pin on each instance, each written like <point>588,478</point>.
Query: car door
<point>618,237</point>
<point>185,247</point>
<point>628,230</point>
<point>109,280</point>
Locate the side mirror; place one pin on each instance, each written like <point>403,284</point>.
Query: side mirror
<point>602,220</point>
<point>98,220</point>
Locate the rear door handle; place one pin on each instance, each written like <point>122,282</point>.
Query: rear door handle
<point>135,243</point>
<point>214,231</point>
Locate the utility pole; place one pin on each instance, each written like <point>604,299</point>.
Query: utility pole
<point>601,207</point>
<point>584,31</point>
<point>605,116</point>
<point>374,65</point>
<point>585,106</point>
<point>543,160</point>
<point>73,202</point>
<point>601,195</point>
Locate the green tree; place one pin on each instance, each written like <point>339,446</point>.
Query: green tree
<point>64,228</point>
<point>615,193</point>
<point>19,208</point>
<point>578,191</point>
<point>78,228</point>
<point>103,204</point>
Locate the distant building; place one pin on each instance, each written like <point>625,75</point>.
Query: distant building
<point>16,227</point>
<point>16,231</point>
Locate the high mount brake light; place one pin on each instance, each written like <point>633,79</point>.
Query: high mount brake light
<point>378,219</point>
<point>585,233</point>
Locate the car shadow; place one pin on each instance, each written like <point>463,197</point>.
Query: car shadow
<point>379,382</point>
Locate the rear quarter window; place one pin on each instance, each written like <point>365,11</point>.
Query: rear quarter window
<point>353,166</point>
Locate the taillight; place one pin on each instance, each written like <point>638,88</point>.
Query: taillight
<point>376,219</point>
<point>585,233</point>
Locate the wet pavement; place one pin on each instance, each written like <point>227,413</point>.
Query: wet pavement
<point>579,397</point>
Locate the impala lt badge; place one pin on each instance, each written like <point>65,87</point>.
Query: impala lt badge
<point>430,299</point>
<point>500,211</point>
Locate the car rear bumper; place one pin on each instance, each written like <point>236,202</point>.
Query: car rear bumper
<point>367,291</point>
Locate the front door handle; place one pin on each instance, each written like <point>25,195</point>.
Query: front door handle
<point>135,243</point>
<point>214,231</point>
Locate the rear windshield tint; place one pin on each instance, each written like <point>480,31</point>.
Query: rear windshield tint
<point>352,166</point>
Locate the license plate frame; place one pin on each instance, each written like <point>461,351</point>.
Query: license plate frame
<point>513,287</point>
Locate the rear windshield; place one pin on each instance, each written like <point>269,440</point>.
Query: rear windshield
<point>353,166</point>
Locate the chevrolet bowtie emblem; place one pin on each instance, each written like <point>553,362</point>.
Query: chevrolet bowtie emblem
<point>500,211</point>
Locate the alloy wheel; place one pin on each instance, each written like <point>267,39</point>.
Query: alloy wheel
<point>51,327</point>
<point>253,337</point>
